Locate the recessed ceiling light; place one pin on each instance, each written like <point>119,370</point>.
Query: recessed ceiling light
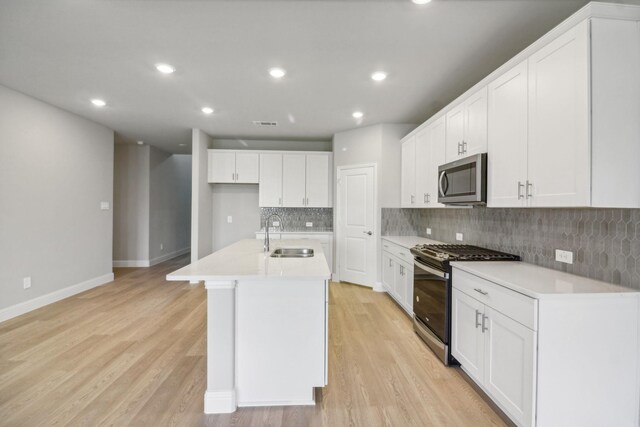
<point>421,1</point>
<point>140,142</point>
<point>98,102</point>
<point>379,76</point>
<point>165,68</point>
<point>277,73</point>
<point>207,110</point>
<point>357,114</point>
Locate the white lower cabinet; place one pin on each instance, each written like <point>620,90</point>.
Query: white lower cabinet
<point>397,274</point>
<point>497,352</point>
<point>568,357</point>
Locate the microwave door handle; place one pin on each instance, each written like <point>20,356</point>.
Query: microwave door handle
<point>442,175</point>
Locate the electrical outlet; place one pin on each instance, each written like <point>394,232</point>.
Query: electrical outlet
<point>428,231</point>
<point>459,237</point>
<point>162,246</point>
<point>229,219</point>
<point>276,223</point>
<point>564,256</point>
<point>309,224</point>
<point>26,282</point>
<point>104,206</point>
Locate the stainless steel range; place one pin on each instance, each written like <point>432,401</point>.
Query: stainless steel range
<point>432,290</point>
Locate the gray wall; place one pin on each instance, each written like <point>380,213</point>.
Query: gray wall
<point>265,144</point>
<point>605,242</point>
<point>55,169</point>
<point>202,199</point>
<point>240,201</point>
<point>131,202</point>
<point>169,203</point>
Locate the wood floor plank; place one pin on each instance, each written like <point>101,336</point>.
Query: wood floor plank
<point>133,352</point>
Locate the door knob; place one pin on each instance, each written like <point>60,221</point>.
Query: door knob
<point>368,232</point>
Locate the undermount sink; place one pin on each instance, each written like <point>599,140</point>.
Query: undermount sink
<point>292,253</point>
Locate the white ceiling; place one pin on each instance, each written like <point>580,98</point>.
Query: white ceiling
<point>66,52</point>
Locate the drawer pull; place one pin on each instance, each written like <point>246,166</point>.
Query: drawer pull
<point>484,319</point>
<point>481,291</point>
<point>477,321</point>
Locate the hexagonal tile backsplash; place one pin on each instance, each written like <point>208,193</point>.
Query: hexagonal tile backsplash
<point>605,242</point>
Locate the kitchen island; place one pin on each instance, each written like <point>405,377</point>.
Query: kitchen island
<point>267,324</point>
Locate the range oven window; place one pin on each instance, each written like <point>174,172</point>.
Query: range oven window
<point>430,300</point>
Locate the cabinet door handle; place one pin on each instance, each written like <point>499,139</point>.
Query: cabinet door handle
<point>307,201</point>
<point>520,187</point>
<point>428,197</point>
<point>401,270</point>
<point>424,198</point>
<point>529,187</point>
<point>413,199</point>
<point>484,327</point>
<point>481,291</point>
<point>459,148</point>
<point>236,176</point>
<point>233,176</point>
<point>477,321</point>
<point>390,262</point>
<point>368,232</point>
<point>464,147</point>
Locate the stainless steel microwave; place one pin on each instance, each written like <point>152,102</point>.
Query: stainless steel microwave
<point>463,182</point>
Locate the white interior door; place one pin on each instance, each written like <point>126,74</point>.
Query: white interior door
<point>356,222</point>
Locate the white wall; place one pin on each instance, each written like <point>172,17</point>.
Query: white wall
<point>169,204</point>
<point>240,201</point>
<point>55,169</point>
<point>131,203</point>
<point>202,200</point>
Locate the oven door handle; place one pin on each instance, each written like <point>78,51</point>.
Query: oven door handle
<point>429,269</point>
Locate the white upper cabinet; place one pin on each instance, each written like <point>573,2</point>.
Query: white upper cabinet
<point>507,145</point>
<point>408,173</point>
<point>422,153</point>
<point>247,167</point>
<point>437,157</point>
<point>559,149</point>
<point>319,180</point>
<point>229,166</point>
<point>422,163</point>
<point>563,124</point>
<point>222,166</point>
<point>270,188</point>
<point>294,179</point>
<point>467,127</point>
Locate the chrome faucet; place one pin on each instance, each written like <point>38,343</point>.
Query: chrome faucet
<point>266,230</point>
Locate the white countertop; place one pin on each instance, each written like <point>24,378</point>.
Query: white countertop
<point>410,241</point>
<point>538,282</point>
<point>246,260</point>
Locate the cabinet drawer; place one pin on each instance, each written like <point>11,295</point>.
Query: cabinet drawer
<point>519,307</point>
<point>400,252</point>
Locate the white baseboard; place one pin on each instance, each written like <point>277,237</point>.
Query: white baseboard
<point>41,301</point>
<point>220,402</point>
<point>152,262</point>
<point>377,287</point>
<point>169,256</point>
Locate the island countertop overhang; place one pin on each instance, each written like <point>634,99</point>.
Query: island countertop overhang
<point>246,260</point>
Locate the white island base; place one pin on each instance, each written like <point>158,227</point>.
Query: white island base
<point>266,326</point>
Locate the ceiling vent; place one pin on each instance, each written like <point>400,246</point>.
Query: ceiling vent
<point>265,123</point>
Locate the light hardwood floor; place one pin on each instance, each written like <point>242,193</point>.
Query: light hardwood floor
<point>133,353</point>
